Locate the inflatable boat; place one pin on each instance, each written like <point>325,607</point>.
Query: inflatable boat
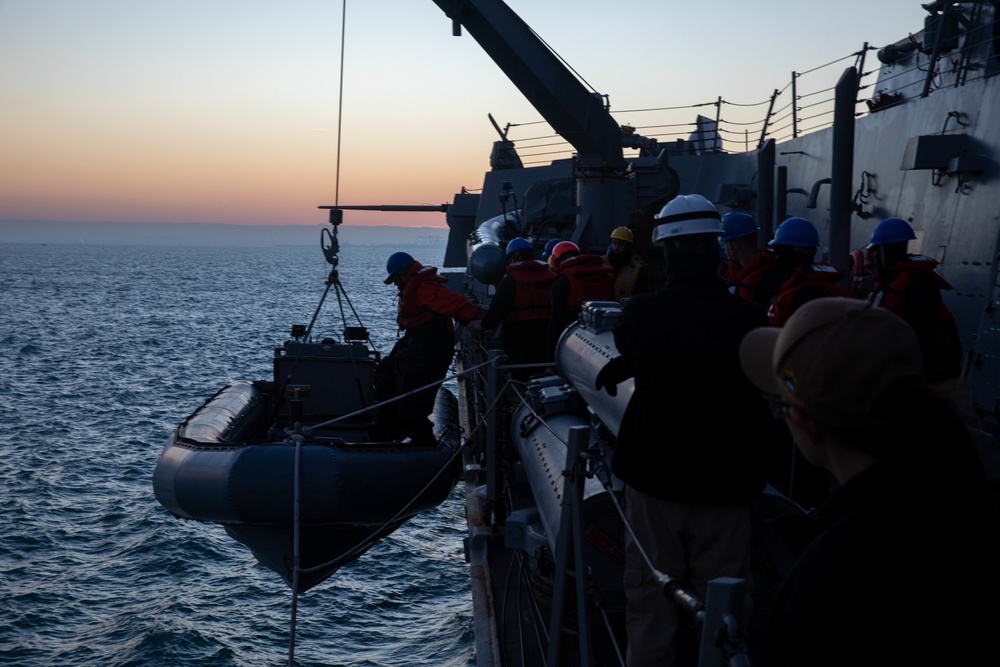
<point>290,466</point>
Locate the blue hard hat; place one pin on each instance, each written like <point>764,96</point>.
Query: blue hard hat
<point>891,230</point>
<point>797,232</point>
<point>517,244</point>
<point>397,262</point>
<point>549,246</point>
<point>736,225</point>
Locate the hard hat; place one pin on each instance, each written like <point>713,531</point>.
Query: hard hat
<point>796,232</point>
<point>622,234</point>
<point>561,249</point>
<point>736,225</point>
<point>687,214</point>
<point>517,244</point>
<point>891,230</point>
<point>397,262</point>
<point>549,246</point>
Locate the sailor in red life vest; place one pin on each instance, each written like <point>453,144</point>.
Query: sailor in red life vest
<point>862,270</point>
<point>909,286</point>
<point>751,273</point>
<point>795,242</point>
<point>423,354</point>
<point>520,307</point>
<point>628,271</point>
<point>579,278</point>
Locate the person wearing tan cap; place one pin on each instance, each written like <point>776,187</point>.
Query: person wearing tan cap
<point>899,565</point>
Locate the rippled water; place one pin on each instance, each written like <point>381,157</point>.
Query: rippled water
<point>103,349</point>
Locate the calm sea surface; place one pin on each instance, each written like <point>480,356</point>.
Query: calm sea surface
<point>103,350</point>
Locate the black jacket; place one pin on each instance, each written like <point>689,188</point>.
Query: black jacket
<point>898,568</point>
<point>696,429</point>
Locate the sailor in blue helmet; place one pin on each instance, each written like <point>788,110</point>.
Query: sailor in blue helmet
<point>520,307</point>
<point>751,272</point>
<point>547,253</point>
<point>910,286</point>
<point>689,476</point>
<point>802,278</point>
<point>423,354</point>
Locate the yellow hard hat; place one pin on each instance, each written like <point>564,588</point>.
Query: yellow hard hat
<point>622,234</point>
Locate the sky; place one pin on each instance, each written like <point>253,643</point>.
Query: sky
<point>227,111</point>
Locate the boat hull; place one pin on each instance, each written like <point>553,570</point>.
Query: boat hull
<point>222,466</point>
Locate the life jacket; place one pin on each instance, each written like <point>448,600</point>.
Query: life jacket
<point>531,297</point>
<point>946,360</point>
<point>824,276</point>
<point>862,273</point>
<point>626,279</point>
<point>413,312</point>
<point>744,282</point>
<point>589,280</point>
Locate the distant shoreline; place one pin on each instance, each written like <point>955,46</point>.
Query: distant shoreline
<point>39,232</point>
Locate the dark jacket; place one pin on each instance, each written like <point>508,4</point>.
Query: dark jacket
<point>696,429</point>
<point>898,568</point>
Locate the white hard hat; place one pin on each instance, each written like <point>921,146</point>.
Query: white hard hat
<point>687,214</point>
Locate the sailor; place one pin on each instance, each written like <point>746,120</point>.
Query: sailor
<point>580,277</point>
<point>690,476</point>
<point>423,354</point>
<point>909,286</point>
<point>520,306</point>
<point>751,272</point>
<point>802,279</point>
<point>899,566</point>
<point>628,270</point>
<point>862,271</point>
<point>547,253</point>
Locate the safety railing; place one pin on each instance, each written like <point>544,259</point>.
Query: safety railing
<point>966,51</point>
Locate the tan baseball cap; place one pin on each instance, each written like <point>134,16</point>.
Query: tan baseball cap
<point>833,359</point>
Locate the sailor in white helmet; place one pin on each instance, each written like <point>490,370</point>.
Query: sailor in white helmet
<point>690,476</point>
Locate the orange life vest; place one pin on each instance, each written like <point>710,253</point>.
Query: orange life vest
<point>533,282</point>
<point>745,281</point>
<point>944,362</point>
<point>824,276</point>
<point>589,280</point>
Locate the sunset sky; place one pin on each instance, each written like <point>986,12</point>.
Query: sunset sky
<point>227,110</point>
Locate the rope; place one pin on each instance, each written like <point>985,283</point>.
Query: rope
<point>295,554</point>
<point>371,537</point>
<point>670,585</point>
<point>364,544</point>
<point>389,401</point>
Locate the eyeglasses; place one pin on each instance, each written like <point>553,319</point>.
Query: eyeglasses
<point>778,405</point>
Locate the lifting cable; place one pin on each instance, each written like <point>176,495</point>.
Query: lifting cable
<point>298,438</point>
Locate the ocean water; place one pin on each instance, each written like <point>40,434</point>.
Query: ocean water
<point>103,350</point>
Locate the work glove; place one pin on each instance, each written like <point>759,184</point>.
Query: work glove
<point>608,377</point>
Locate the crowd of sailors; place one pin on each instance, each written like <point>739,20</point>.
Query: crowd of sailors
<point>742,355</point>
